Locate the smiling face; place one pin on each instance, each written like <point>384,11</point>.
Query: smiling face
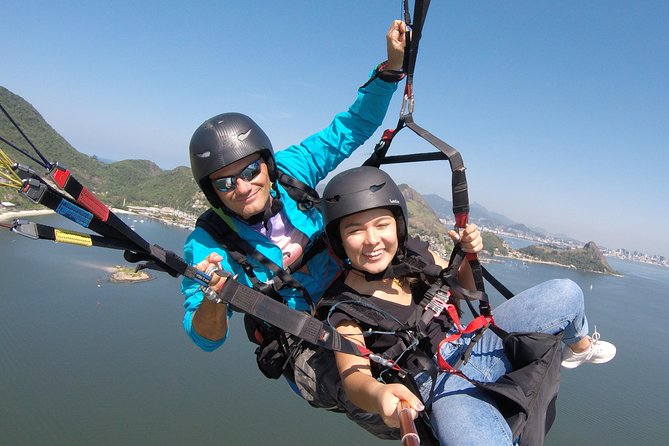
<point>248,197</point>
<point>369,239</point>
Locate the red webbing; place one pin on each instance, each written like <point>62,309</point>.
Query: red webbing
<point>90,202</point>
<point>476,324</point>
<point>461,219</point>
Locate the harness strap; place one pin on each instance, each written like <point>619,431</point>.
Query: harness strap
<point>504,291</point>
<point>476,324</point>
<point>67,182</point>
<point>306,196</point>
<point>319,245</point>
<point>45,232</point>
<point>239,249</point>
<point>112,232</point>
<point>458,178</point>
<point>40,192</point>
<point>297,323</point>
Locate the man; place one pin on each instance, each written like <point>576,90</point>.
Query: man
<point>260,218</point>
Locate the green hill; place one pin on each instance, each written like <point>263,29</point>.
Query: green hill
<point>588,258</point>
<point>135,182</point>
<point>493,244</point>
<point>424,222</point>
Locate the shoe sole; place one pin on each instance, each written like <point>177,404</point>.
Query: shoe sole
<point>573,365</point>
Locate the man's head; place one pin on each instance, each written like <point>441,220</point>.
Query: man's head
<point>223,155</point>
<point>359,190</point>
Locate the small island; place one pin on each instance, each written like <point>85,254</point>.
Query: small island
<point>123,274</point>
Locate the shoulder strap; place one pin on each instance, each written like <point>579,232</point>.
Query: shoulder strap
<point>356,307</point>
<point>239,249</point>
<point>306,196</point>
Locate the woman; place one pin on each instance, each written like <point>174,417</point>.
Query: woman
<point>366,223</point>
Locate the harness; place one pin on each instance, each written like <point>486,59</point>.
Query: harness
<point>438,293</point>
<point>434,294</point>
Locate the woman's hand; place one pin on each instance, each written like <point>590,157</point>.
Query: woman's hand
<point>470,238</point>
<point>388,397</point>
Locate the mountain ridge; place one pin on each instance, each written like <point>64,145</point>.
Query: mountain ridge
<point>141,182</point>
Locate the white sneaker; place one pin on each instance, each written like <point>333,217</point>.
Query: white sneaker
<point>598,353</point>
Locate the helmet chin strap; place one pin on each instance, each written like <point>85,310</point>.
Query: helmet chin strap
<point>273,206</point>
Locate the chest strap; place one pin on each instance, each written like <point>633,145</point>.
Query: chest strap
<point>240,251</point>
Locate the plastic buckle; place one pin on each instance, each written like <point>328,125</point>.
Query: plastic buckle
<point>24,172</point>
<point>33,190</point>
<point>438,302</point>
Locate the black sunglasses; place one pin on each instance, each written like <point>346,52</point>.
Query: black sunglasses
<point>225,184</point>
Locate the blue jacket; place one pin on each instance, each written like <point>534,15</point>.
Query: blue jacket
<point>310,162</point>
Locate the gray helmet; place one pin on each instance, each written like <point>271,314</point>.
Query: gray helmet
<point>222,140</point>
<point>357,190</point>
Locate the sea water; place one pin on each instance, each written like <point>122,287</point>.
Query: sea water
<point>87,362</point>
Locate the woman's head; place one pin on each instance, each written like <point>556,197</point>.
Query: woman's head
<point>225,148</point>
<point>365,217</point>
<point>369,239</point>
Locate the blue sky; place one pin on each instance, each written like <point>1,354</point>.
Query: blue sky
<point>560,109</point>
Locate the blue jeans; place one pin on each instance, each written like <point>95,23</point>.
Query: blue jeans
<point>463,415</point>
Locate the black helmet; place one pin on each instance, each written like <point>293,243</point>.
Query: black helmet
<point>222,140</point>
<point>357,190</point>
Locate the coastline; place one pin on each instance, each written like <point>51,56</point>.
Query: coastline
<point>12,215</point>
<point>545,262</point>
<point>4,216</point>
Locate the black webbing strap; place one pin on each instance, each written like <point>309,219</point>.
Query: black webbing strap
<point>458,178</point>
<point>162,259</point>
<point>66,181</point>
<point>45,232</point>
<point>477,272</point>
<point>111,235</point>
<point>319,245</point>
<point>305,196</point>
<point>413,38</point>
<point>504,291</point>
<point>446,152</point>
<point>298,323</point>
<point>456,259</point>
<point>40,192</point>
